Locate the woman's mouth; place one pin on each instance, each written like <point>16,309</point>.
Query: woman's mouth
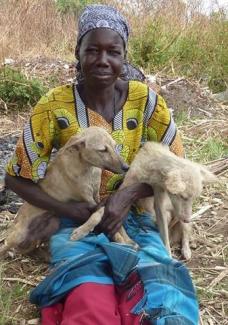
<point>101,74</point>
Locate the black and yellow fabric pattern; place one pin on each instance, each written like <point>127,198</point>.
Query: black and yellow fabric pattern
<point>61,113</point>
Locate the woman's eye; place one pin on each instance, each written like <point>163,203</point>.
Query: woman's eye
<point>91,50</point>
<point>114,52</point>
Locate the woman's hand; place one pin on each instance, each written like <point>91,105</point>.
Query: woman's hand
<point>78,211</point>
<point>37,228</point>
<point>118,205</point>
<point>116,209</point>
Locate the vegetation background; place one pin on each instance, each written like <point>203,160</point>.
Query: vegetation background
<point>169,36</point>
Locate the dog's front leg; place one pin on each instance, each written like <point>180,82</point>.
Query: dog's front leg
<point>185,246</point>
<point>88,226</point>
<point>161,216</point>
<point>122,237</point>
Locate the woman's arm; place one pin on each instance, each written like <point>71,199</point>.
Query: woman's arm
<point>33,194</point>
<point>118,205</point>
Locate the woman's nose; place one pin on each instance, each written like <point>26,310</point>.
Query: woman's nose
<point>103,58</point>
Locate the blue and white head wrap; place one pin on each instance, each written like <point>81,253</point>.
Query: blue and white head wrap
<point>102,16</point>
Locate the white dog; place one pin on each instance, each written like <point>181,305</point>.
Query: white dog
<point>176,182</point>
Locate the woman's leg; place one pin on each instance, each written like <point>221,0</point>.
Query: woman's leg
<point>169,293</point>
<point>52,315</point>
<point>87,304</point>
<point>93,304</point>
<point>130,294</point>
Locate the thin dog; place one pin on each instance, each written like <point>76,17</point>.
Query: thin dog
<point>176,182</point>
<point>74,174</point>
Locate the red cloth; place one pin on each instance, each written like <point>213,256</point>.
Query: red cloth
<point>97,304</point>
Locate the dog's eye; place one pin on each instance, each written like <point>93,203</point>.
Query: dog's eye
<point>105,149</point>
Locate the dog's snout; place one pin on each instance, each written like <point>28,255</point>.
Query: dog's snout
<point>125,167</point>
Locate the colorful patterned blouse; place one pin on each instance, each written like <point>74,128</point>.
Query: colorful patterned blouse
<point>61,113</point>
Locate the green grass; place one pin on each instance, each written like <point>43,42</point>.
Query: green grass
<point>213,148</point>
<point>9,296</point>
<point>181,118</point>
<point>14,304</point>
<point>72,6</point>
<point>199,50</point>
<point>17,91</point>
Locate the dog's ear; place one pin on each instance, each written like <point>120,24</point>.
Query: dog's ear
<point>75,143</point>
<point>207,176</point>
<point>79,144</point>
<point>173,182</point>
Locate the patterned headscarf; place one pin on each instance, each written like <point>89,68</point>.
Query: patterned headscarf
<point>98,16</point>
<point>104,16</point>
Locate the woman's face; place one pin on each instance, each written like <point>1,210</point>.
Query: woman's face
<point>101,54</point>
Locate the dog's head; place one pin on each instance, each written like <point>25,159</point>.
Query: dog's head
<point>184,185</point>
<point>97,148</point>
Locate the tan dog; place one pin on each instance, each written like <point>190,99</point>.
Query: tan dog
<point>74,174</point>
<point>176,182</point>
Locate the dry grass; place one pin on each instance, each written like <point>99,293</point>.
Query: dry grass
<point>33,27</point>
<point>193,44</point>
<point>12,125</point>
<point>210,256</point>
<point>209,265</point>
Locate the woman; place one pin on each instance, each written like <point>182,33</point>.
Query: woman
<point>96,281</point>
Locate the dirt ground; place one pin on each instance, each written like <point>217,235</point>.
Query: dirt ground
<point>199,118</point>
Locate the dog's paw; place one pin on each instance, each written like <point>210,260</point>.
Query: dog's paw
<point>186,253</point>
<point>135,246</point>
<point>77,234</point>
<point>132,243</point>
